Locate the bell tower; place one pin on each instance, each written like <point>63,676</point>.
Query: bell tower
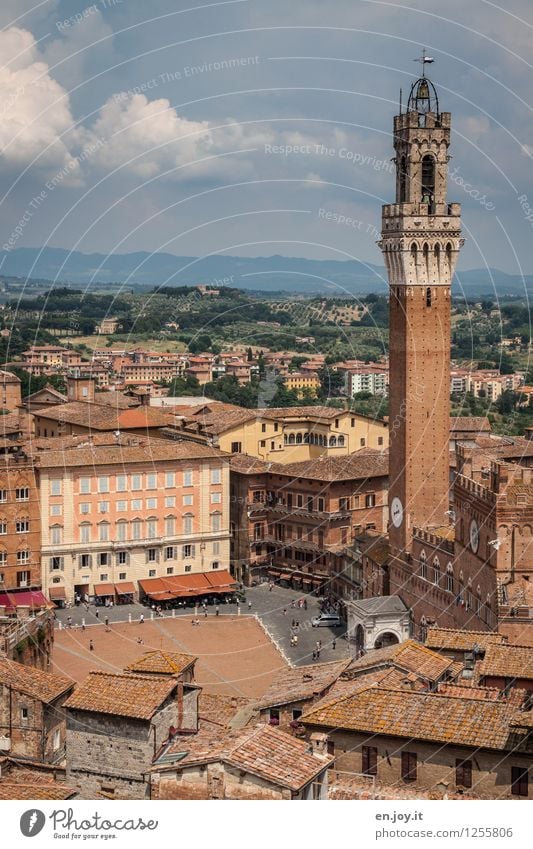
<point>420,241</point>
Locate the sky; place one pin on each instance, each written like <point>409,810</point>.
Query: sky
<point>256,127</point>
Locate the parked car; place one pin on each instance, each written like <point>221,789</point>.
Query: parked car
<point>327,620</point>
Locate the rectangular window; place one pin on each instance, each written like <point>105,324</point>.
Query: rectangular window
<point>362,442</point>
<point>369,760</point>
<point>121,531</point>
<point>215,564</point>
<point>3,495</point>
<point>85,561</point>
<point>122,575</point>
<point>3,528</point>
<point>187,551</point>
<point>55,510</point>
<point>22,494</point>
<point>151,481</point>
<point>55,487</point>
<point>151,503</point>
<point>137,504</point>
<point>170,570</point>
<point>216,497</point>
<point>22,526</point>
<point>103,534</point>
<point>103,507</point>
<point>380,440</point>
<point>216,521</point>
<point>122,506</point>
<point>187,500</point>
<point>187,478</point>
<point>170,526</point>
<point>136,482</point>
<point>236,447</point>
<point>23,579</point>
<point>122,483</point>
<point>188,568</point>
<point>463,773</point>
<point>151,528</point>
<point>136,530</point>
<point>24,713</point>
<point>170,479</point>
<point>85,533</point>
<point>103,577</point>
<point>151,573</point>
<point>103,484</point>
<point>122,559</point>
<point>216,548</point>
<point>56,535</point>
<point>169,552</point>
<point>263,428</point>
<point>409,765</point>
<point>370,500</point>
<point>151,555</point>
<point>85,507</point>
<point>103,558</point>
<point>170,501</point>
<point>519,781</point>
<point>187,524</point>
<point>23,556</point>
<point>85,485</point>
<point>216,476</point>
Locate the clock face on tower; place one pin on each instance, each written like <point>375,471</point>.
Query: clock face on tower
<point>474,536</point>
<point>396,512</point>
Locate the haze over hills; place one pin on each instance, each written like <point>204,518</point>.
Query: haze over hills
<point>268,274</point>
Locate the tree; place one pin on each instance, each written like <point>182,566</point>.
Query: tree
<point>200,343</point>
<point>284,397</point>
<point>331,383</point>
<point>184,386</point>
<point>249,355</point>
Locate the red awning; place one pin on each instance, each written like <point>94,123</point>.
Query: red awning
<point>192,584</point>
<point>104,589</point>
<point>57,593</point>
<point>285,577</point>
<point>125,588</point>
<point>162,596</point>
<point>221,580</point>
<point>153,585</point>
<point>27,598</point>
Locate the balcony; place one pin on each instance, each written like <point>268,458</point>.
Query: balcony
<point>279,509</point>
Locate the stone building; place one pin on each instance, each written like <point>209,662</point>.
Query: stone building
<point>296,689</point>
<point>20,524</point>
<point>159,662</point>
<point>29,780</point>
<point>297,521</point>
<point>32,719</point>
<point>257,762</point>
<point>474,741</point>
<point>117,723</point>
<point>10,392</point>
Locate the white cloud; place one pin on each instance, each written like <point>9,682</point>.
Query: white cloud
<point>34,110</point>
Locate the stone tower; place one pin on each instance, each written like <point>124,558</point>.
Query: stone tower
<point>420,241</point>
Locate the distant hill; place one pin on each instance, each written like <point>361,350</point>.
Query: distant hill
<point>260,274</point>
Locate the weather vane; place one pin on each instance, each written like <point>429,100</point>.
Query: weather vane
<point>424,60</point>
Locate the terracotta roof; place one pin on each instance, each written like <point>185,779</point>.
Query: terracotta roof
<point>217,422</point>
<point>44,686</point>
<point>221,710</point>
<point>456,639</point>
<point>35,790</point>
<point>317,412</point>
<point>142,417</point>
<point>302,682</point>
<point>127,449</point>
<point>244,464</point>
<point>120,694</point>
<point>409,656</point>
<point>476,424</point>
<point>390,678</point>
<point>162,663</point>
<point>269,753</point>
<point>507,661</point>
<point>419,716</point>
<point>360,464</point>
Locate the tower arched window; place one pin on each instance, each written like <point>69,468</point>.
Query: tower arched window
<point>436,571</point>
<point>449,578</point>
<point>423,565</point>
<point>428,296</point>
<point>428,179</point>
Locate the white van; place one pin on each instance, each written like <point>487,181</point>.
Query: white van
<point>327,620</point>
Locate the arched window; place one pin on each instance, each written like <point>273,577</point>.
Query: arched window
<point>449,578</point>
<point>428,179</point>
<point>333,441</point>
<point>428,296</point>
<point>291,439</point>
<point>306,438</point>
<point>298,439</point>
<point>423,565</point>
<point>340,441</point>
<point>436,571</point>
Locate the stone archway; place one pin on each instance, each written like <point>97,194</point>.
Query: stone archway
<point>387,638</point>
